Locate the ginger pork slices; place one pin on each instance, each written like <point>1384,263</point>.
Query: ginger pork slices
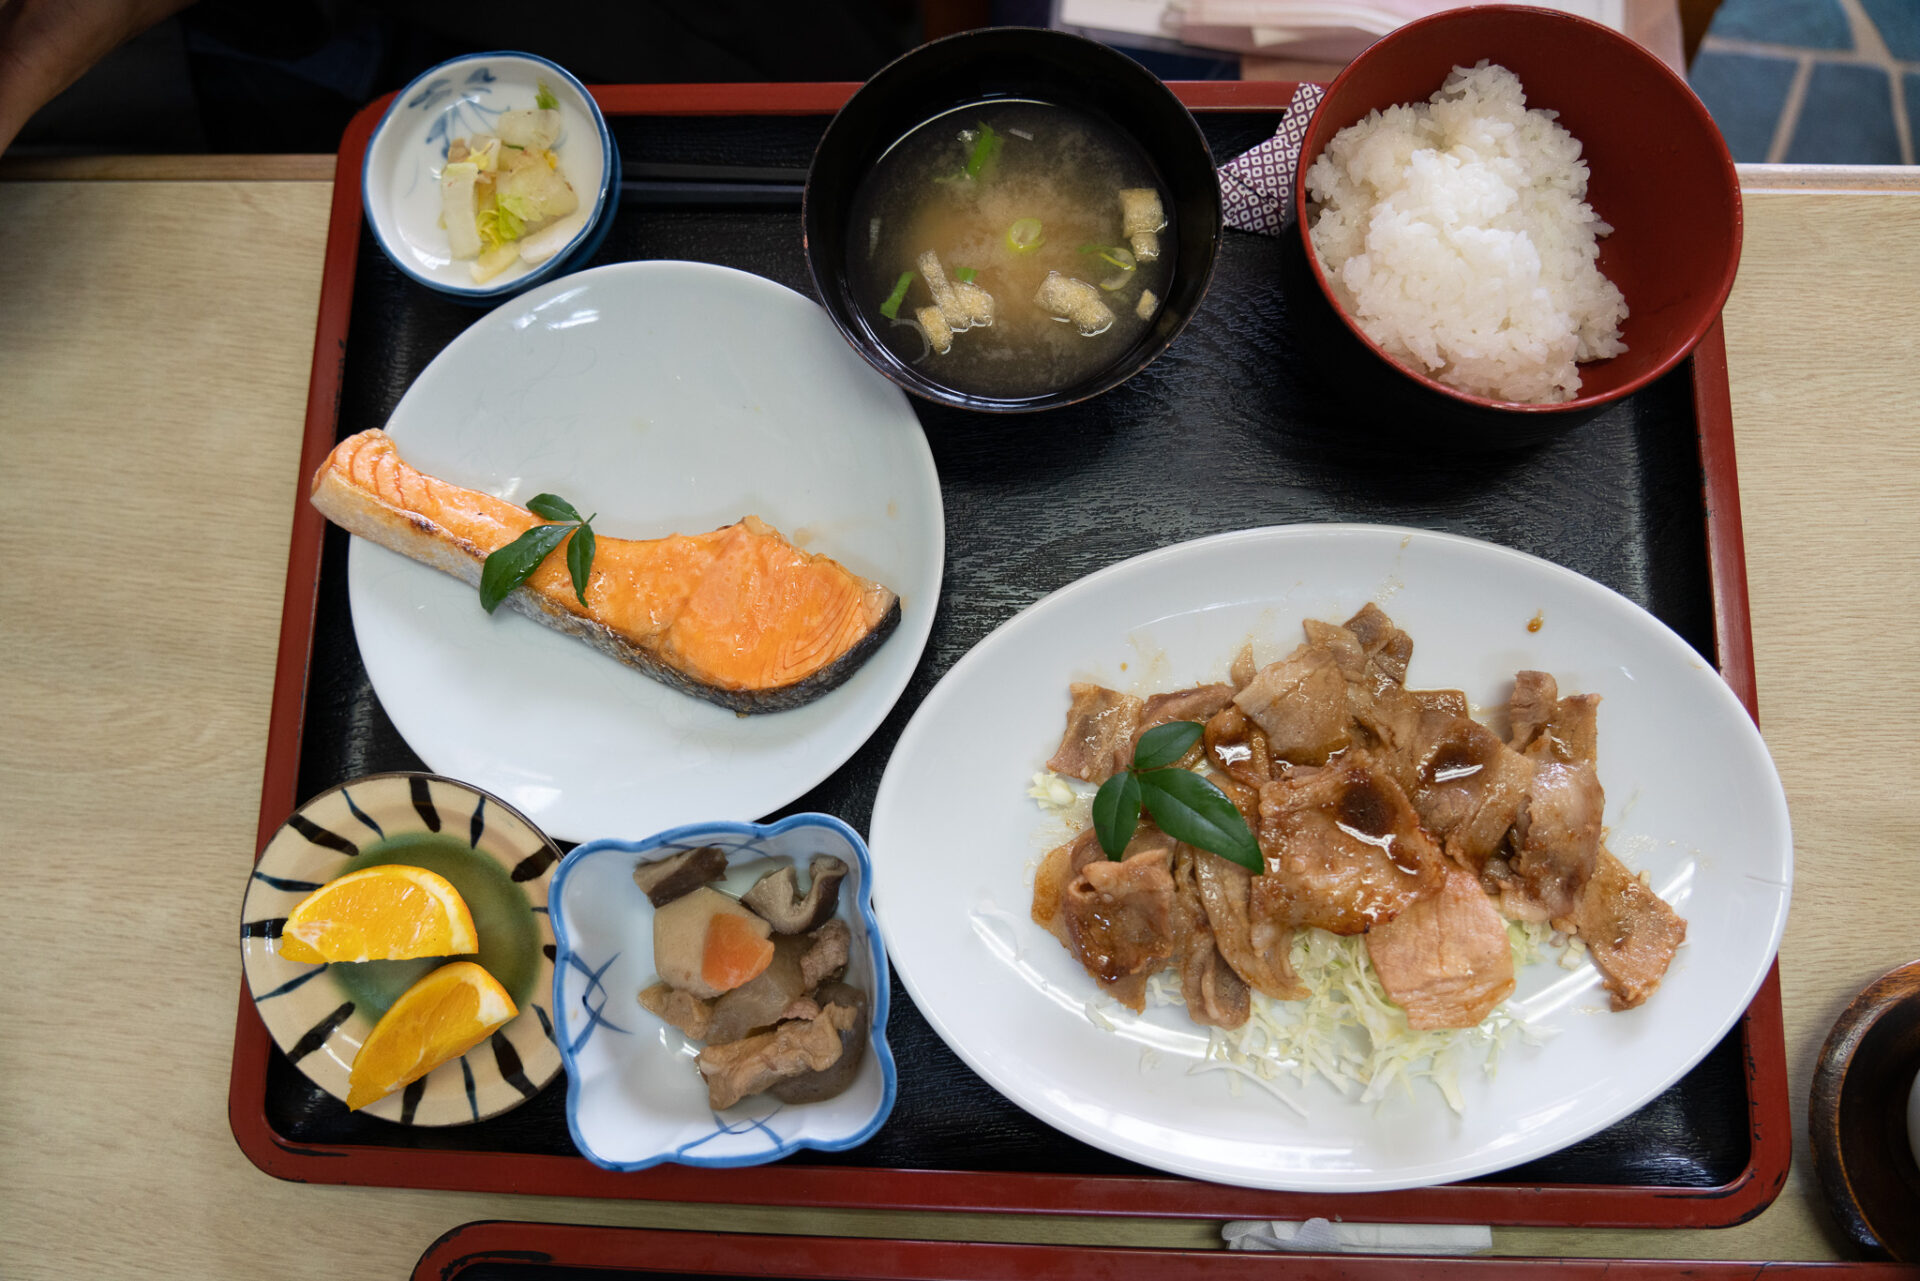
<point>737,616</point>
<point>1379,810</point>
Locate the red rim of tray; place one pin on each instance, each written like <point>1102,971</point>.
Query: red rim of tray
<point>1166,1196</point>
<point>501,1246</point>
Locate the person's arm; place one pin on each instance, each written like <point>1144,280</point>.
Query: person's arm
<point>46,45</point>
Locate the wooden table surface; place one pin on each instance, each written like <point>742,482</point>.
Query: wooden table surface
<point>156,325</point>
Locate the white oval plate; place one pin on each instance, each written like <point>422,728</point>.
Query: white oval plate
<point>667,397</point>
<point>1692,797</point>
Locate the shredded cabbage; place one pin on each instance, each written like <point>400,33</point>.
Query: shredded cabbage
<point>1349,1034</point>
<point>1529,940</point>
<point>1052,791</point>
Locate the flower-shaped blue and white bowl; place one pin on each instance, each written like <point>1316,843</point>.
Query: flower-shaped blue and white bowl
<point>400,178</point>
<point>634,1097</point>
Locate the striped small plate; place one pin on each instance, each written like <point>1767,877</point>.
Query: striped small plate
<point>312,1013</point>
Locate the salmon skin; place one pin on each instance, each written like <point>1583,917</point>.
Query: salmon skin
<point>739,616</point>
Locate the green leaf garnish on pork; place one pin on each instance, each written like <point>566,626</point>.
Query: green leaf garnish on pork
<point>1183,804</point>
<point>1189,808</point>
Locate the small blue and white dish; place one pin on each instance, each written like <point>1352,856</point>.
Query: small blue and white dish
<point>634,1097</point>
<point>400,178</point>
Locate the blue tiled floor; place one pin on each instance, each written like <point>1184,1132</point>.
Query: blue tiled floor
<point>1745,95</point>
<point>1805,24</point>
<point>1814,81</point>
<point>1899,25</point>
<point>1847,118</point>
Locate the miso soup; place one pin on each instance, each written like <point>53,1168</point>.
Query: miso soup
<point>1033,242</point>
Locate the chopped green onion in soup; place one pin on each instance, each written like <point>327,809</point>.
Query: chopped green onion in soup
<point>891,307</point>
<point>1026,235</point>
<point>986,145</point>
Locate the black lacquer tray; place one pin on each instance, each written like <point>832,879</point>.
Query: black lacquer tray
<point>1232,428</point>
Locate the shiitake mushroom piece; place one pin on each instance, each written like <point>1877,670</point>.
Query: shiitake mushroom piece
<point>667,879</point>
<point>777,898</point>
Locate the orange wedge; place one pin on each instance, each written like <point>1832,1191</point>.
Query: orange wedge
<point>388,913</point>
<point>448,1012</point>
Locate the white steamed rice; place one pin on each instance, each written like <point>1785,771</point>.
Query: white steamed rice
<point>1457,234</point>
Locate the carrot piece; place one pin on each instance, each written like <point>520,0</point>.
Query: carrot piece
<point>733,952</point>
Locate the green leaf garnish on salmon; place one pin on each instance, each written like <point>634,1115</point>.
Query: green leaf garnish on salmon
<point>510,566</point>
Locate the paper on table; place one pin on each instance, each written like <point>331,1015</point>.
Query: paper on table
<point>1312,29</point>
<point>1123,17</point>
<point>1319,1236</point>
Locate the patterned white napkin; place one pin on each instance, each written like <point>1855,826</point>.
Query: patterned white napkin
<point>1256,190</point>
<point>1319,1236</point>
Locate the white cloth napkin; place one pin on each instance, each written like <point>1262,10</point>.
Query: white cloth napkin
<point>1256,188</point>
<point>1320,1236</point>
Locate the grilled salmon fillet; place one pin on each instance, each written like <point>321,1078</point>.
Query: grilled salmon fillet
<point>738,616</point>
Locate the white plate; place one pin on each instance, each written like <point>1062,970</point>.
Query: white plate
<point>1692,797</point>
<point>667,397</point>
